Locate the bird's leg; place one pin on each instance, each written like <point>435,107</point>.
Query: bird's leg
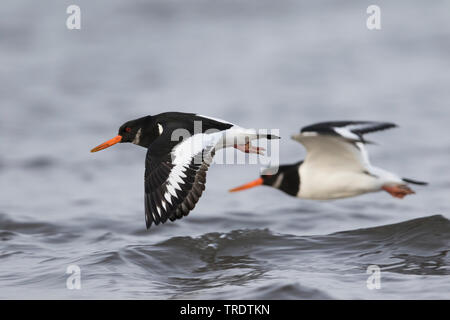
<point>398,191</point>
<point>248,148</point>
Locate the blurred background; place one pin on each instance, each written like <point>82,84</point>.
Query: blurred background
<point>257,63</point>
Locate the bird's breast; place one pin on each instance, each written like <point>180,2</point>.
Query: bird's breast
<point>328,183</point>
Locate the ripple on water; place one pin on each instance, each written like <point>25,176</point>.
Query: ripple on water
<point>47,232</point>
<point>215,264</point>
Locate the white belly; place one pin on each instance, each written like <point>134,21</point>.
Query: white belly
<point>331,184</point>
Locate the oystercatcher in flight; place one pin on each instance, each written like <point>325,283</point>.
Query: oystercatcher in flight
<point>336,165</point>
<point>180,149</point>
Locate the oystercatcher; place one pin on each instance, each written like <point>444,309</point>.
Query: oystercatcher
<point>336,165</point>
<point>180,149</point>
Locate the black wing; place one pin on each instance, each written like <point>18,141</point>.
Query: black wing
<point>351,130</point>
<point>172,190</point>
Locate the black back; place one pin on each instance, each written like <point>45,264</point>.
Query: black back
<point>190,122</point>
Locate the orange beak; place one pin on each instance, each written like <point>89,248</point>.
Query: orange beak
<point>249,185</point>
<point>107,144</point>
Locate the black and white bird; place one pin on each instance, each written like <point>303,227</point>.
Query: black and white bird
<point>180,149</point>
<point>336,165</point>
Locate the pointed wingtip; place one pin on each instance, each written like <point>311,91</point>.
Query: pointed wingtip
<point>148,222</point>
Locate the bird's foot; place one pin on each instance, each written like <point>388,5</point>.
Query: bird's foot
<point>398,191</point>
<point>248,148</point>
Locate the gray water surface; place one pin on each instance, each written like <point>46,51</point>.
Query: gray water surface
<point>261,64</point>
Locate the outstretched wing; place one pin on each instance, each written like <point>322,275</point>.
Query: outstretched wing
<point>174,182</point>
<point>340,143</point>
<point>349,130</point>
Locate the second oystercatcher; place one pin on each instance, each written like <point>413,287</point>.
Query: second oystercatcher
<point>180,149</point>
<point>336,165</point>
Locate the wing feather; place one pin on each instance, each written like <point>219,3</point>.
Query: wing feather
<point>339,144</point>
<point>175,182</point>
<point>350,130</point>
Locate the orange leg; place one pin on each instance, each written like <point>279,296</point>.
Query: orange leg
<point>398,191</point>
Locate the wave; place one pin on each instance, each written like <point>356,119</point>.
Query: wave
<point>263,264</point>
<point>199,266</point>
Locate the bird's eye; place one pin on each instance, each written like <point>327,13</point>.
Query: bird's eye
<point>127,129</point>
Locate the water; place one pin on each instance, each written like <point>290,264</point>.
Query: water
<point>262,64</point>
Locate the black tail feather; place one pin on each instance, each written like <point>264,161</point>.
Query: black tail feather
<point>421,183</point>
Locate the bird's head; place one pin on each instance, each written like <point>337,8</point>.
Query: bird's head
<point>140,131</point>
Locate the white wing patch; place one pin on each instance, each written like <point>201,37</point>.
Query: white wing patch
<point>347,133</point>
<point>182,156</point>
